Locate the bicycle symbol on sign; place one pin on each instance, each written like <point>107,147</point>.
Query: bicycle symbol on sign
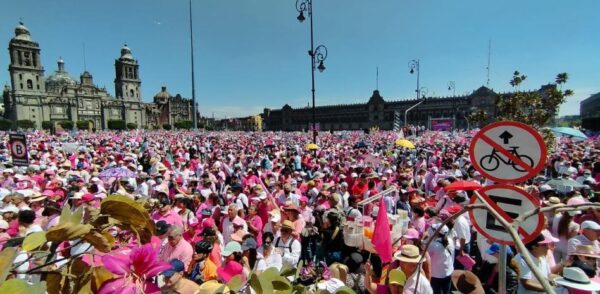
<point>491,162</point>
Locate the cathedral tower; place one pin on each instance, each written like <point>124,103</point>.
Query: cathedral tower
<point>26,70</point>
<point>127,81</point>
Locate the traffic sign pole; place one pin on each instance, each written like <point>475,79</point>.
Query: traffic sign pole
<point>502,270</point>
<point>511,229</point>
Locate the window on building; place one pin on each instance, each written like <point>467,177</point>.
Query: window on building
<point>29,84</point>
<point>21,86</point>
<point>37,78</point>
<point>38,87</point>
<point>131,93</point>
<point>20,76</point>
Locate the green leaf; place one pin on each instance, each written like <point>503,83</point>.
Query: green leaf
<point>287,271</point>
<point>33,241</point>
<point>255,283</point>
<point>15,286</point>
<point>281,283</point>
<point>300,265</point>
<point>235,283</point>
<point>7,257</point>
<point>344,290</point>
<point>300,289</point>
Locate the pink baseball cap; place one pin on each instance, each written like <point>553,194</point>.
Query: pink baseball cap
<point>229,270</point>
<point>48,193</point>
<point>239,222</point>
<point>411,234</point>
<point>208,223</point>
<point>548,238</point>
<point>304,199</point>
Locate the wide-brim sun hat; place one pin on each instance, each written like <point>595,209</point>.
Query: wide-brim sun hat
<point>466,282</point>
<point>408,253</point>
<point>575,278</point>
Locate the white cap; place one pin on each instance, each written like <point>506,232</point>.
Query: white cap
<point>545,187</point>
<point>592,225</point>
<point>354,175</point>
<point>3,224</point>
<point>262,195</point>
<point>9,208</point>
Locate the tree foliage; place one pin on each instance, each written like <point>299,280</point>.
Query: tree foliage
<point>25,124</point>
<point>47,125</point>
<point>535,108</point>
<point>183,124</point>
<point>5,124</point>
<point>477,117</point>
<point>66,124</point>
<point>116,124</point>
<point>167,127</point>
<point>83,124</point>
<point>131,126</point>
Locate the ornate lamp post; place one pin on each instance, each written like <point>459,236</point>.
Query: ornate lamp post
<point>317,55</point>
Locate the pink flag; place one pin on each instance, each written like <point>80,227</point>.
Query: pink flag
<point>382,239</point>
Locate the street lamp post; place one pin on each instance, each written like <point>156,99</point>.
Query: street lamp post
<point>317,56</point>
<point>452,87</point>
<point>194,104</point>
<point>414,67</point>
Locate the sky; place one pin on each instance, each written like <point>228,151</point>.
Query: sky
<point>251,54</point>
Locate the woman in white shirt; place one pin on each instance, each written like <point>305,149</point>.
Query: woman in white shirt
<point>441,252</point>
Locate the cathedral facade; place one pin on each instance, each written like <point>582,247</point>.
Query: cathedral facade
<point>58,97</point>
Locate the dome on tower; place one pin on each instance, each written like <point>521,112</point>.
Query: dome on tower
<point>59,78</point>
<point>22,33</point>
<point>162,97</point>
<point>126,52</point>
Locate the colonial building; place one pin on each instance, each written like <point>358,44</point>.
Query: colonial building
<point>382,114</point>
<point>589,110</point>
<point>58,97</point>
<point>168,109</point>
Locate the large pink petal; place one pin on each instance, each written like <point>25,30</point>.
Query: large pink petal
<point>117,264</point>
<point>151,288</point>
<point>156,242</point>
<point>156,268</point>
<point>142,258</point>
<point>117,286</point>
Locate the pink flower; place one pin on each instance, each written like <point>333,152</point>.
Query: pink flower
<point>134,271</point>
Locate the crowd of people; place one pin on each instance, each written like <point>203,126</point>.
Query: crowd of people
<point>229,204</point>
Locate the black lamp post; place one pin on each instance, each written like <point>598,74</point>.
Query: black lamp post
<point>452,87</point>
<point>414,67</point>
<point>317,55</point>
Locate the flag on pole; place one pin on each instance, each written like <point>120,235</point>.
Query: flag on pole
<point>168,160</point>
<point>144,145</point>
<point>382,239</point>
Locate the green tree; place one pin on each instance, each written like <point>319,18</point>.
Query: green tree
<point>66,124</point>
<point>25,124</point>
<point>535,108</point>
<point>83,124</point>
<point>131,126</point>
<point>183,124</point>
<point>167,127</point>
<point>5,124</point>
<point>47,125</point>
<point>116,124</point>
<point>477,117</point>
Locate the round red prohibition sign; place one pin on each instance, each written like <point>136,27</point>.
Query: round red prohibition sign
<point>18,149</point>
<point>509,202</point>
<point>508,152</point>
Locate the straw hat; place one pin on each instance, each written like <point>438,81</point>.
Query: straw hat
<point>211,287</point>
<point>586,250</point>
<point>408,253</point>
<point>466,282</point>
<point>287,224</point>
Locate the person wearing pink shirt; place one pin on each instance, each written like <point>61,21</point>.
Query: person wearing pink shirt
<point>177,247</point>
<point>255,224</point>
<point>166,213</point>
<point>294,214</point>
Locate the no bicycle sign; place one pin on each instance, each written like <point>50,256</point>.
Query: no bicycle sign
<point>508,152</point>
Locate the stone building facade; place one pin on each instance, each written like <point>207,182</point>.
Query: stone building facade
<point>169,109</point>
<point>58,97</point>
<point>589,110</point>
<point>382,114</point>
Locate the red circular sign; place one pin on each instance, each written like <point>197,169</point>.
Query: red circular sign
<point>508,197</point>
<point>508,152</point>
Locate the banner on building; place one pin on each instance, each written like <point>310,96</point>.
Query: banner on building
<point>441,124</point>
<point>397,121</point>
